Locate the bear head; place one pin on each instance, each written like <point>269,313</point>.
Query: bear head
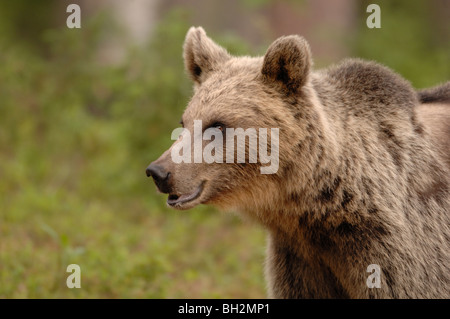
<point>252,96</point>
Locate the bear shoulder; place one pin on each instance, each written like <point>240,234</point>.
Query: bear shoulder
<point>361,81</point>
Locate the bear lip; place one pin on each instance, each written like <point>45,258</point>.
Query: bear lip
<point>178,200</point>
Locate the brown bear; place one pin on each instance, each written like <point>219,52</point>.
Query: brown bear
<point>361,178</point>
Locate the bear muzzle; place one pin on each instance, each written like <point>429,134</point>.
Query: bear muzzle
<point>164,181</point>
<point>160,176</point>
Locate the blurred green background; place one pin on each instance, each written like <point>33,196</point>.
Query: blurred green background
<point>84,111</point>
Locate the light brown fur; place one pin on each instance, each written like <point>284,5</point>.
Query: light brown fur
<point>436,118</point>
<point>361,179</point>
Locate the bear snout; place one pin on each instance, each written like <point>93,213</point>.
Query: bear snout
<point>160,177</point>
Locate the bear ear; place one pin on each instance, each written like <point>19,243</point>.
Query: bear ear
<point>201,54</point>
<point>287,62</point>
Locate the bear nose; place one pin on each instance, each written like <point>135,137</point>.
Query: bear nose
<point>160,176</point>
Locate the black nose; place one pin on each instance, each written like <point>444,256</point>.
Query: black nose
<point>160,176</point>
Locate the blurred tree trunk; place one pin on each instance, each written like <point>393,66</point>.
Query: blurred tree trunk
<point>325,24</point>
<point>440,12</point>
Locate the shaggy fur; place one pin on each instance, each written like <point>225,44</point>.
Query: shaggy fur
<point>438,94</point>
<point>434,113</point>
<point>361,179</point>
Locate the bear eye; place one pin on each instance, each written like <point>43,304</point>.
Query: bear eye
<point>219,126</point>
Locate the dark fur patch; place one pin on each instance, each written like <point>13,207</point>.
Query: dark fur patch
<point>393,145</point>
<point>390,282</point>
<point>257,111</point>
<point>282,74</point>
<point>379,231</point>
<point>300,146</point>
<point>337,288</point>
<point>321,239</point>
<point>294,197</point>
<point>387,130</point>
<point>417,127</point>
<point>380,85</point>
<point>286,169</point>
<point>396,157</point>
<point>346,198</point>
<point>197,71</point>
<point>279,122</point>
<point>328,193</point>
<point>297,115</point>
<point>436,191</point>
<point>346,229</point>
<point>438,94</point>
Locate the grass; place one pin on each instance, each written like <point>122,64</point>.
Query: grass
<point>126,248</point>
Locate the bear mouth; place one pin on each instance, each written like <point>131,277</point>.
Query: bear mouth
<point>178,201</point>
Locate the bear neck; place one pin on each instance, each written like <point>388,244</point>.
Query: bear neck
<point>325,202</point>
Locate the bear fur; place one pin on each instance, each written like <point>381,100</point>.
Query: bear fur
<point>362,178</point>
